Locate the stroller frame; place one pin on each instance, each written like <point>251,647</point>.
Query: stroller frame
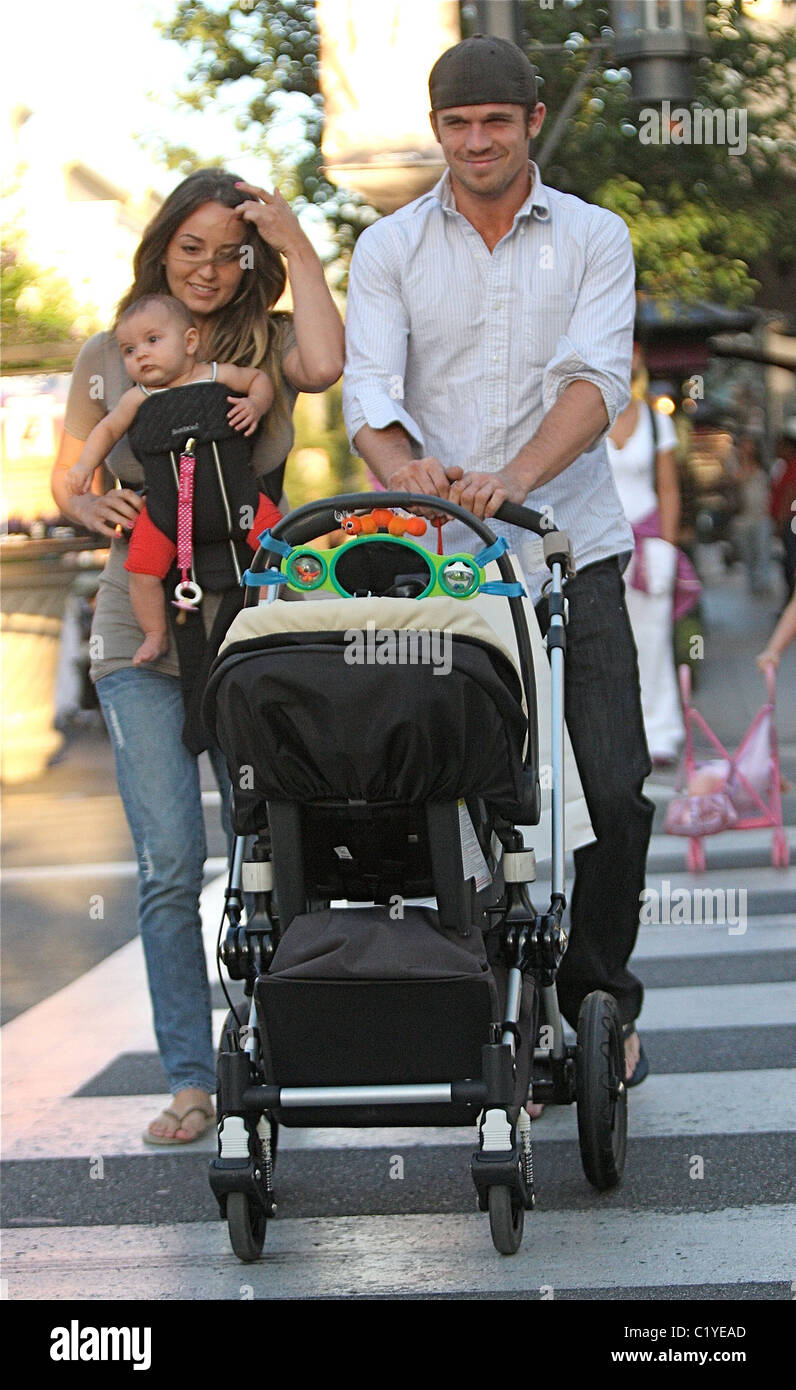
<point>533,945</point>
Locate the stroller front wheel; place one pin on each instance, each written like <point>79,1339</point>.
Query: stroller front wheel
<point>601,1091</point>
<point>247,1227</point>
<point>506,1220</point>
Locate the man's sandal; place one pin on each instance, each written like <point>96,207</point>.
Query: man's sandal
<point>642,1067</point>
<point>171,1140</point>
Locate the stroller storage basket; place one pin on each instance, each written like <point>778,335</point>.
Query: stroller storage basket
<point>357,997</point>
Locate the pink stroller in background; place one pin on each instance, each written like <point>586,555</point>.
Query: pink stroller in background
<point>739,791</point>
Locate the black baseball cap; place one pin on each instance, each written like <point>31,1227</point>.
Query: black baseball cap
<point>482,70</point>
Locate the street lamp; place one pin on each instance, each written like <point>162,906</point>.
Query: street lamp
<point>660,40</point>
<point>375,61</point>
<point>501,19</point>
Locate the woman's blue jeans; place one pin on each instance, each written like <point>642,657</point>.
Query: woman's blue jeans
<point>159,785</point>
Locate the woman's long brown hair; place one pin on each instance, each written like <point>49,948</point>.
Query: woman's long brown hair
<point>245,331</point>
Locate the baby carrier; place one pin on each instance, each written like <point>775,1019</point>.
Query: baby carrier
<point>185,432</point>
<point>396,971</point>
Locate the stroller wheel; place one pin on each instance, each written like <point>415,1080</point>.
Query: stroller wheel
<point>601,1091</point>
<point>246,1226</point>
<point>505,1220</point>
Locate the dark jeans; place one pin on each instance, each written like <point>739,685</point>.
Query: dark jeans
<point>603,714</point>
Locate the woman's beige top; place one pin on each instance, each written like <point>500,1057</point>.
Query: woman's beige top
<point>99,381</point>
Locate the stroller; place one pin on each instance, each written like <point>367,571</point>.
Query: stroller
<point>373,767</point>
<point>737,791</point>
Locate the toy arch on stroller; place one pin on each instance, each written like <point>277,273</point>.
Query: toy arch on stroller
<point>376,782</point>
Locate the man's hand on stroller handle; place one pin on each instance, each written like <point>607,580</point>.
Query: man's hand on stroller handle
<point>484,493</point>
<point>480,493</point>
<point>426,475</point>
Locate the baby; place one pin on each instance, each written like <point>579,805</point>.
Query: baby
<point>159,342</point>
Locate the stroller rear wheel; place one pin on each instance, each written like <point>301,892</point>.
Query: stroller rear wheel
<point>506,1220</point>
<point>601,1091</point>
<point>247,1226</point>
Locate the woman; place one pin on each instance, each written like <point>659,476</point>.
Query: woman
<point>217,245</point>
<point>641,452</point>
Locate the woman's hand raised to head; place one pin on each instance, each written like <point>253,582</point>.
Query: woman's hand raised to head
<point>273,217</point>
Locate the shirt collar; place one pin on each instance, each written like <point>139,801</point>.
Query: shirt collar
<point>537,204</point>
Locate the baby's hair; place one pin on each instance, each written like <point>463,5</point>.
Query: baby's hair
<point>174,307</point>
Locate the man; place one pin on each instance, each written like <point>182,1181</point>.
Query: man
<point>489,334</point>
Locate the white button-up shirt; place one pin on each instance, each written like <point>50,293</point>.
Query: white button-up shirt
<point>468,349</point>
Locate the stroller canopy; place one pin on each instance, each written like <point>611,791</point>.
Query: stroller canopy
<point>369,700</point>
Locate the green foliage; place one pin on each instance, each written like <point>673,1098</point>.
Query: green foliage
<point>37,305</point>
<point>700,216</point>
<point>319,426</point>
<point>268,52</point>
<point>690,249</point>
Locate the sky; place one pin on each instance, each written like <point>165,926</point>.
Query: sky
<point>96,73</point>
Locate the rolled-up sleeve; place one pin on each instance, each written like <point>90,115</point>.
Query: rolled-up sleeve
<point>598,344</point>
<point>376,331</point>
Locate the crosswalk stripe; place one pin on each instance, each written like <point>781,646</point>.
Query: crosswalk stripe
<point>367,1255</point>
<point>720,1006</point>
<point>680,1103</point>
<point>105,1012</point>
<point>777,933</point>
<point>105,868</point>
<point>700,1006</point>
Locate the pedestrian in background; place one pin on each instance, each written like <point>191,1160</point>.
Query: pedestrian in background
<point>783,500</point>
<point>641,450</point>
<point>752,523</point>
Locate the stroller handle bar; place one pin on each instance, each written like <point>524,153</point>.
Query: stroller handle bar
<point>315,518</point>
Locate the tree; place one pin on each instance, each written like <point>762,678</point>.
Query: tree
<point>701,218</point>
<point>268,52</point>
<point>38,306</point>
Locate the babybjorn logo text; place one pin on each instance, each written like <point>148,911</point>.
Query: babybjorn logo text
<point>186,429</point>
<point>76,1343</point>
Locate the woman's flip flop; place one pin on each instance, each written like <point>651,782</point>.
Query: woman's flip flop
<point>642,1068</point>
<point>171,1140</point>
